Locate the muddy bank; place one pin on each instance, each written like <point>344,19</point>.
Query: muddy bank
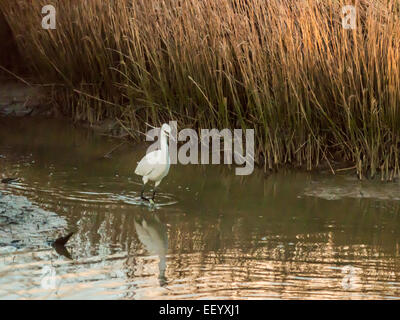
<point>19,99</point>
<point>24,225</point>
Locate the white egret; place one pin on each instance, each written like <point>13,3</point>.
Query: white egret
<point>154,166</point>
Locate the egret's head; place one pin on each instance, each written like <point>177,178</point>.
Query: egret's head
<point>166,129</point>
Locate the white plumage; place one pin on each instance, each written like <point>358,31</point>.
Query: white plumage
<point>154,166</point>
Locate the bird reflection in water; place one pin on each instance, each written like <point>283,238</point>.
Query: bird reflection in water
<point>152,233</point>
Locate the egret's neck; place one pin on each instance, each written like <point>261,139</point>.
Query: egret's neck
<point>164,144</point>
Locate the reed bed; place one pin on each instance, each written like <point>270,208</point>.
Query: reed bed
<point>313,91</point>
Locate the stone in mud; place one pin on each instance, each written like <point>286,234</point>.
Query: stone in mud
<point>8,180</point>
<point>109,127</point>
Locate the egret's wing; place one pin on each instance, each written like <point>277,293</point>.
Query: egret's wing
<point>146,165</point>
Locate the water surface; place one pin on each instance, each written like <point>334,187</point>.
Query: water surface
<point>293,235</point>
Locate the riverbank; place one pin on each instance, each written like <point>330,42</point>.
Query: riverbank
<point>18,99</point>
<point>314,92</point>
<point>24,225</point>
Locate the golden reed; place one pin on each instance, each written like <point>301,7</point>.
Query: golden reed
<point>313,91</point>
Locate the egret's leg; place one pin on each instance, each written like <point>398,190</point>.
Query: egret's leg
<point>142,194</point>
<point>155,188</point>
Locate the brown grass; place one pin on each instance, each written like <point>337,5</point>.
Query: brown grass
<point>312,90</point>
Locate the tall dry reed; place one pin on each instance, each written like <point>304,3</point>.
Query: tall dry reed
<point>313,91</point>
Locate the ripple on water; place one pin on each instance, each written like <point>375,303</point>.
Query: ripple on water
<point>95,197</point>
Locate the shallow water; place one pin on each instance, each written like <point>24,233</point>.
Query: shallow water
<point>212,234</point>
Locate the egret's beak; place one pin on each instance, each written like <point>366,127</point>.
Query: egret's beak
<point>168,135</point>
<point>171,137</point>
